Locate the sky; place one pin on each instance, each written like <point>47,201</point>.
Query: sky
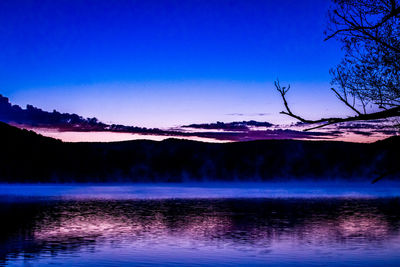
<point>159,63</point>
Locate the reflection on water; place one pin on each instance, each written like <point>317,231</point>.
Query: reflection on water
<point>359,232</point>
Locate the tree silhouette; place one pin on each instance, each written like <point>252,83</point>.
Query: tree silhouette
<point>367,80</point>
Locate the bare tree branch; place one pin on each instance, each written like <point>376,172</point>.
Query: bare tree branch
<point>393,112</point>
<point>369,74</point>
<point>395,11</point>
<point>345,102</point>
<point>360,24</point>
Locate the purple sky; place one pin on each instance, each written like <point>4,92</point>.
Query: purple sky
<point>168,104</point>
<point>169,62</point>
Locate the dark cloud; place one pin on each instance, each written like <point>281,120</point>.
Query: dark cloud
<point>35,117</point>
<point>363,133</point>
<point>230,126</point>
<point>376,124</point>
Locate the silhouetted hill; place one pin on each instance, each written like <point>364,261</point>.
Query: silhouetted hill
<point>28,157</point>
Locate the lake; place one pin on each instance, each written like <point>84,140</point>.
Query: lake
<point>277,224</point>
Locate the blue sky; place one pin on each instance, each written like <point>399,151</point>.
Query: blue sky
<point>164,63</point>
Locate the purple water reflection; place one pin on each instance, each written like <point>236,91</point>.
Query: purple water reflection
<point>336,231</point>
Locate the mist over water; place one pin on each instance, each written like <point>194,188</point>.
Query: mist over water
<point>146,225</point>
<point>206,190</point>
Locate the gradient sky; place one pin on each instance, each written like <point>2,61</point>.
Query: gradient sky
<point>165,63</point>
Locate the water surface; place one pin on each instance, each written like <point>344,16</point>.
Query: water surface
<point>88,226</point>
